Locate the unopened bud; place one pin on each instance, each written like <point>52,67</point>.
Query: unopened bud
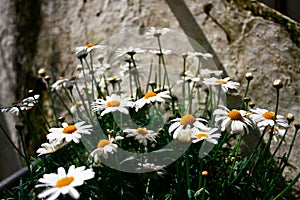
<point>277,84</point>
<point>249,76</point>
<point>290,118</point>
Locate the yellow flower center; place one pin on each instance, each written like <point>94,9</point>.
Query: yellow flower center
<point>269,115</point>
<point>187,119</point>
<point>142,131</point>
<point>113,103</point>
<point>235,115</point>
<point>103,143</point>
<point>202,135</point>
<point>70,129</point>
<point>221,81</point>
<point>64,181</point>
<point>150,94</point>
<point>89,45</point>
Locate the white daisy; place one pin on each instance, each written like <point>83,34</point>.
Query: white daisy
<point>211,135</point>
<point>82,51</point>
<point>186,123</point>
<point>265,118</point>
<point>234,120</point>
<point>64,183</point>
<point>20,105</point>
<point>142,135</point>
<point>154,32</point>
<point>151,97</point>
<point>112,103</point>
<point>104,147</point>
<point>279,132</point>
<point>225,83</point>
<point>129,51</point>
<point>69,132</point>
<point>62,82</point>
<point>51,147</point>
<point>205,56</point>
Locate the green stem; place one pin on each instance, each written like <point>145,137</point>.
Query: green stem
<point>283,192</point>
<point>235,151</point>
<point>292,144</point>
<point>11,142</point>
<point>188,181</point>
<point>52,103</point>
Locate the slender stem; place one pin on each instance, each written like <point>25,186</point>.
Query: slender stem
<point>188,181</point>
<point>235,151</point>
<point>283,192</point>
<point>11,142</point>
<point>292,144</point>
<point>52,103</point>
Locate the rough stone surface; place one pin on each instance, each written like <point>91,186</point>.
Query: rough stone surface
<point>243,41</point>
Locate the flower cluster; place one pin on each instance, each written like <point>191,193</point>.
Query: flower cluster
<point>139,120</point>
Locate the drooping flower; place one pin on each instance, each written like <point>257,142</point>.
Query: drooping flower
<point>64,183</point>
<point>104,147</point>
<point>69,132</point>
<point>225,83</point>
<point>62,82</point>
<point>129,51</point>
<point>151,97</point>
<point>234,120</point>
<point>51,147</point>
<point>112,103</point>
<point>187,122</point>
<point>20,105</point>
<point>211,135</point>
<point>154,32</point>
<point>143,135</point>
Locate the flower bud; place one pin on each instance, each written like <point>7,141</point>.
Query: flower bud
<point>20,126</point>
<point>42,72</point>
<point>249,76</point>
<point>290,118</point>
<point>205,173</point>
<point>277,84</point>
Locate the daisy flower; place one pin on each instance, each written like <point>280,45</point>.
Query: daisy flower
<point>20,105</point>
<point>82,51</point>
<point>112,103</point>
<point>225,83</point>
<point>186,123</point>
<point>62,82</point>
<point>142,135</point>
<point>51,147</point>
<point>69,132</point>
<point>211,135</point>
<point>265,118</point>
<point>129,51</point>
<point>151,97</point>
<point>153,32</point>
<point>205,56</point>
<point>64,183</point>
<point>234,120</point>
<point>104,147</point>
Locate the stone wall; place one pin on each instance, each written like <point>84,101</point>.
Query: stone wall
<point>41,33</point>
